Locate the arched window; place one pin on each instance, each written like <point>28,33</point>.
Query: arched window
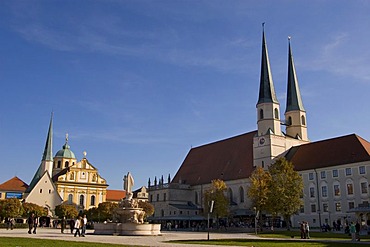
<point>59,164</point>
<point>263,164</point>
<point>66,164</point>
<point>70,198</point>
<point>230,195</point>
<point>241,194</point>
<point>303,120</point>
<point>261,114</point>
<point>289,122</point>
<point>276,113</point>
<point>92,200</point>
<point>82,200</point>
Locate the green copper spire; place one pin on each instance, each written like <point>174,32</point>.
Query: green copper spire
<point>267,91</point>
<point>294,100</point>
<point>48,151</point>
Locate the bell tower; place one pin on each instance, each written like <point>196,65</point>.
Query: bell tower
<point>269,140</point>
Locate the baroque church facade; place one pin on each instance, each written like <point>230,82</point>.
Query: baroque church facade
<point>335,172</point>
<point>63,179</point>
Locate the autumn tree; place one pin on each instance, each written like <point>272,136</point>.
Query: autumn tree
<point>66,210</point>
<point>285,190</point>
<point>258,189</point>
<point>147,207</point>
<point>216,193</point>
<point>29,207</point>
<point>11,207</point>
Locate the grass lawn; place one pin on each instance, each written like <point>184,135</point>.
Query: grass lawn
<point>269,243</point>
<point>28,242</point>
<point>318,239</point>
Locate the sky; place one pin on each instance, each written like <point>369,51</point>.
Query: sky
<point>137,84</point>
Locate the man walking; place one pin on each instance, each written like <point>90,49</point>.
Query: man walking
<point>84,223</point>
<point>30,222</point>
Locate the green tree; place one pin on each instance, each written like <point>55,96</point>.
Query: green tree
<point>286,186</point>
<point>29,208</point>
<point>258,190</point>
<point>105,210</point>
<point>216,193</point>
<point>67,210</point>
<point>147,207</point>
<point>92,214</point>
<point>11,207</point>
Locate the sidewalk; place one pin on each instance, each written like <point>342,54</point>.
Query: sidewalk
<point>160,241</point>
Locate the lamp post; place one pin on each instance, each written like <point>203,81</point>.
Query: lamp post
<point>209,212</point>
<point>255,220</point>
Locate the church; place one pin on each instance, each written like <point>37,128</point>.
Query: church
<point>64,179</point>
<point>335,171</point>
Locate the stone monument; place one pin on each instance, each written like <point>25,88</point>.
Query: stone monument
<point>128,217</point>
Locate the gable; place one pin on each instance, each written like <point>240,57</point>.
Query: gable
<point>44,193</point>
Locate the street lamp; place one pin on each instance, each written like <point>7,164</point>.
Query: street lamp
<point>209,212</point>
<point>255,219</point>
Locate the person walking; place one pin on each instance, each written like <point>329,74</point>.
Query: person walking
<point>12,223</point>
<point>307,230</point>
<point>30,222</point>
<point>63,224</point>
<point>352,230</point>
<point>72,225</point>
<point>84,223</point>
<point>77,226</point>
<point>35,223</point>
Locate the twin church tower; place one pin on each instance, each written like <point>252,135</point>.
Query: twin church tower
<point>270,140</point>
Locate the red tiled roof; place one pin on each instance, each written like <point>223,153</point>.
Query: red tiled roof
<point>115,195</point>
<point>14,184</point>
<point>227,159</point>
<point>331,152</point>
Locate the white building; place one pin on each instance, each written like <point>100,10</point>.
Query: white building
<point>335,171</point>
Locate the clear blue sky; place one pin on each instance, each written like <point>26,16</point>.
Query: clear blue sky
<point>138,83</point>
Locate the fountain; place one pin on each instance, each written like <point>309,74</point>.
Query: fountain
<point>128,217</point>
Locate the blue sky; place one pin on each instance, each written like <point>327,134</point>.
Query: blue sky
<point>138,83</point>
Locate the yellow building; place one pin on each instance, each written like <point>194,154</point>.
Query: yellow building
<point>78,182</point>
<point>71,181</point>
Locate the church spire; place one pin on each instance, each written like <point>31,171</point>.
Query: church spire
<point>267,91</point>
<point>294,100</point>
<point>295,114</point>
<point>48,151</point>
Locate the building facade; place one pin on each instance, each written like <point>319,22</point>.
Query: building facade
<point>335,172</point>
<point>68,180</point>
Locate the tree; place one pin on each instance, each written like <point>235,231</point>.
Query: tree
<point>259,189</point>
<point>29,208</point>
<point>11,207</point>
<point>67,210</point>
<point>216,193</point>
<point>92,214</point>
<point>105,210</point>
<point>285,190</point>
<point>147,208</point>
